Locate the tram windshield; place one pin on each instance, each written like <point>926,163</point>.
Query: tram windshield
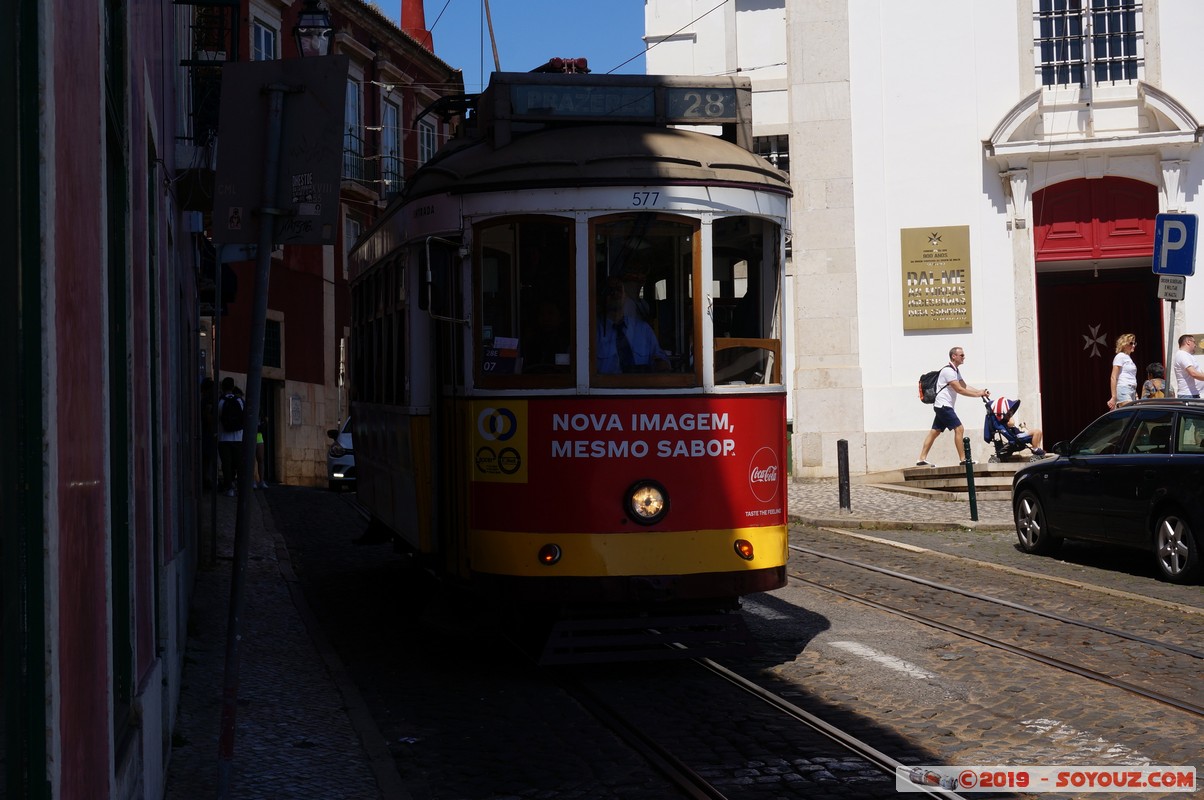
<point>644,278</point>
<point>642,308</point>
<point>745,303</point>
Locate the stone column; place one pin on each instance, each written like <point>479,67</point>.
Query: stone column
<point>1024,278</point>
<point>828,383</point>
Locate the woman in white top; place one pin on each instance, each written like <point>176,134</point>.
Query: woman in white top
<point>1124,372</point>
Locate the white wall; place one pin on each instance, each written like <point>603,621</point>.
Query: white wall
<point>926,90</point>
<point>888,106</point>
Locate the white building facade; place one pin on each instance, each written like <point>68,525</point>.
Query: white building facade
<point>976,174</point>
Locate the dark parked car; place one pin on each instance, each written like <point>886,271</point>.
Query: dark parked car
<point>1133,477</point>
<point>340,458</point>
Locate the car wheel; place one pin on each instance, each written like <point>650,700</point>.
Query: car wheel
<point>1032,528</point>
<point>1175,548</point>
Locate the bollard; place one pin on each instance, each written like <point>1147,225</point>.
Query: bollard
<point>970,479</point>
<point>842,467</point>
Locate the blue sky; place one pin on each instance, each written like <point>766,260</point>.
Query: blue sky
<point>529,32</point>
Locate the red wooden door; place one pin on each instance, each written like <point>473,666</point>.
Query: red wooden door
<point>1098,219</point>
<point>1088,226</point>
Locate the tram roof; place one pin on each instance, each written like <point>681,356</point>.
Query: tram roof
<point>596,156</point>
<point>556,130</point>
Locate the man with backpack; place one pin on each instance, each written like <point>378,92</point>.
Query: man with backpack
<point>949,385</point>
<point>232,417</point>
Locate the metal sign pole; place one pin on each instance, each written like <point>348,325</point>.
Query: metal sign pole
<point>1174,262</point>
<point>242,543</point>
<point>1168,381</point>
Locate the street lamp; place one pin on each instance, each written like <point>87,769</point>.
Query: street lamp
<point>313,29</point>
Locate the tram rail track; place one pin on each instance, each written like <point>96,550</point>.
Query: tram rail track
<point>1165,605</point>
<point>1188,651</point>
<point>1013,648</point>
<point>689,780</point>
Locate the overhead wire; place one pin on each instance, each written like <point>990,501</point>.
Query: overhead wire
<point>662,39</point>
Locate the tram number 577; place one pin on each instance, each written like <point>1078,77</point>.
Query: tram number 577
<point>640,199</point>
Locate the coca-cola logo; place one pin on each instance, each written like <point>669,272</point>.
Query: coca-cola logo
<point>766,475</point>
<point>763,474</point>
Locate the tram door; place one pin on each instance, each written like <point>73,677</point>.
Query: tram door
<point>447,369</point>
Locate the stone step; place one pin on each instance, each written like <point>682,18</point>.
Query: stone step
<point>994,479</point>
<point>955,483</point>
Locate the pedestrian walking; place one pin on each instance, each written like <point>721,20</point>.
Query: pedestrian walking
<point>232,418</point>
<point>1188,377</point>
<point>949,384</point>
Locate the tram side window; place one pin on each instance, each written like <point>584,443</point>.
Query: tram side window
<point>378,335</point>
<point>746,301</point>
<point>643,268</point>
<point>524,300</point>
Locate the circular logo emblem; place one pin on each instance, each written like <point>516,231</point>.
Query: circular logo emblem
<point>508,460</point>
<point>763,474</point>
<point>496,424</point>
<point>486,461</point>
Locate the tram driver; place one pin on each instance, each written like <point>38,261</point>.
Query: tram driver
<point>626,342</point>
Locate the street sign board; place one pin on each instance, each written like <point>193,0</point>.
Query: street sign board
<point>310,154</point>
<point>1175,244</point>
<point>1170,287</point>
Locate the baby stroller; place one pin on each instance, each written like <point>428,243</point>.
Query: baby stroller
<point>998,430</point>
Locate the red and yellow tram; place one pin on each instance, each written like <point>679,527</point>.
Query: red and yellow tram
<point>567,348</point>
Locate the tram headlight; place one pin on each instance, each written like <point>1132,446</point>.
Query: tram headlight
<point>647,502</point>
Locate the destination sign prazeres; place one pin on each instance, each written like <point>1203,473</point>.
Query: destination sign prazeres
<point>688,100</point>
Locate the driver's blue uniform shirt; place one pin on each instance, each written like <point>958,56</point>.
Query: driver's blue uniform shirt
<point>644,347</point>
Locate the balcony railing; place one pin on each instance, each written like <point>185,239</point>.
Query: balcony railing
<point>379,173</point>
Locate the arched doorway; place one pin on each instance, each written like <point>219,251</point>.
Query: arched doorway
<point>1094,241</point>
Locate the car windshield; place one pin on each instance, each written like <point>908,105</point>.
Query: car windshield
<point>1101,437</point>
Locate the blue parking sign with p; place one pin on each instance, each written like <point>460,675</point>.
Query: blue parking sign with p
<point>1175,244</point>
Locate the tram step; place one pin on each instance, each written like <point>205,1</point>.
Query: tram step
<point>585,641</point>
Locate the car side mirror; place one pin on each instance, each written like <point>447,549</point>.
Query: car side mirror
<point>1061,448</point>
<point>332,433</point>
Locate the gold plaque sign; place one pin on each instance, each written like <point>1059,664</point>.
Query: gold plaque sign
<point>936,277</point>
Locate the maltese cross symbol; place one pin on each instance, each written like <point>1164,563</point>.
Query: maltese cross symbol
<point>1094,340</point>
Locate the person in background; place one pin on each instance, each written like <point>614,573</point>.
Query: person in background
<point>1154,385</point>
<point>949,384</point>
<point>260,476</point>
<point>229,437</point>
<point>1124,372</point>
<point>1188,377</point>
